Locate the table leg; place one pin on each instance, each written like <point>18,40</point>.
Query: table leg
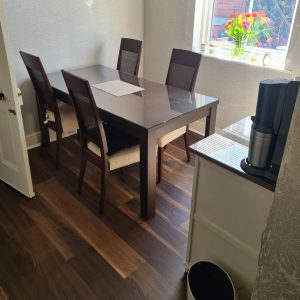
<point>148,175</point>
<point>210,125</point>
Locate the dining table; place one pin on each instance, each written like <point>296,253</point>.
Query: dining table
<point>146,115</point>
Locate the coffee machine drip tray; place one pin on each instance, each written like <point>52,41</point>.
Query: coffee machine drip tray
<point>248,168</point>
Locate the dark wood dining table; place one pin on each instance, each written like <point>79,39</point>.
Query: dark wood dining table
<point>147,115</point>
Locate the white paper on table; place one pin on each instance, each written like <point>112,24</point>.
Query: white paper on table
<point>118,87</point>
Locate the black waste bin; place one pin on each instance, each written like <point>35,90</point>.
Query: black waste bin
<point>207,281</point>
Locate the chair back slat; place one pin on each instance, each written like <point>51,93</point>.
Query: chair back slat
<point>40,81</point>
<point>129,56</point>
<point>183,69</point>
<point>89,121</point>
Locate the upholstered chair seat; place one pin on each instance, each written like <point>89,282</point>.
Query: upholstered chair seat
<point>68,118</point>
<point>169,137</point>
<point>121,158</point>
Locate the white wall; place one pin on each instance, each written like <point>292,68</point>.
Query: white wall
<point>68,34</point>
<point>169,24</point>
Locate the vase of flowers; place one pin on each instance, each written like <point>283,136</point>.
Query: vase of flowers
<point>239,47</point>
<point>248,28</point>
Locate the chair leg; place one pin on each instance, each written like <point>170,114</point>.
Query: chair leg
<point>104,176</point>
<point>188,157</point>
<point>43,140</point>
<point>160,155</point>
<point>58,146</point>
<point>82,171</point>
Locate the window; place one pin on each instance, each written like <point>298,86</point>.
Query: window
<point>278,15</point>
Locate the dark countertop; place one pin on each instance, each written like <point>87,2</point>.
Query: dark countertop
<point>228,148</point>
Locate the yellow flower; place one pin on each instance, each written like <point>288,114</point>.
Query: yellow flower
<point>263,20</point>
<point>240,20</point>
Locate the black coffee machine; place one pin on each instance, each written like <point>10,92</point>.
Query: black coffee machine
<point>274,110</point>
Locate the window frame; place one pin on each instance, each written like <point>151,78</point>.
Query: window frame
<point>202,43</point>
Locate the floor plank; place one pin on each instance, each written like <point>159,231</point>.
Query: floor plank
<point>169,265</point>
<point>56,246</point>
<point>58,232</point>
<point>102,279</point>
<point>160,229</point>
<point>121,257</point>
<point>30,267</point>
<point>3,295</point>
<point>152,284</point>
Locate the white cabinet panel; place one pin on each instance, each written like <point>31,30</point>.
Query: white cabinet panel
<point>228,216</point>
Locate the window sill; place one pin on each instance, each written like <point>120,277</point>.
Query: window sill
<point>252,58</point>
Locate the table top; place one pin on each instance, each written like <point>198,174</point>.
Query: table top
<point>228,148</point>
<point>156,105</point>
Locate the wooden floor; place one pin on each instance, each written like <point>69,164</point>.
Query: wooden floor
<point>55,246</point>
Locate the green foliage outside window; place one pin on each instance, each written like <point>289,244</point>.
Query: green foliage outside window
<point>281,13</point>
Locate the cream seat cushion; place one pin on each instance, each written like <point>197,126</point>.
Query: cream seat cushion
<point>169,137</point>
<point>67,115</point>
<point>121,158</point>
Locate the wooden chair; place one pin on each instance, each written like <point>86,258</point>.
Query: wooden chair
<point>129,56</point>
<point>182,73</point>
<point>53,114</point>
<point>102,144</point>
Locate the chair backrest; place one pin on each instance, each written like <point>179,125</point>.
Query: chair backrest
<point>89,121</point>
<point>43,89</point>
<point>129,56</point>
<point>183,69</point>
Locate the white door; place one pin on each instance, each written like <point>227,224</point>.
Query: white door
<point>14,164</point>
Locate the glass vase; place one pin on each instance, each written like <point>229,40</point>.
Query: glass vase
<point>239,48</point>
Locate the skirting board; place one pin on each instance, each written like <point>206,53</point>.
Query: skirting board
<point>34,140</point>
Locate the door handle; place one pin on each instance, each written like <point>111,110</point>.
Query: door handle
<point>2,97</point>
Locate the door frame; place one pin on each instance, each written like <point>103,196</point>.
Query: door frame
<point>14,103</point>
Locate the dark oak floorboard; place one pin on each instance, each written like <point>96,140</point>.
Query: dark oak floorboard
<point>108,244</point>
<point>56,246</point>
<point>58,232</point>
<point>30,267</point>
<point>158,255</point>
<point>102,279</point>
<point>3,295</point>
<point>169,235</point>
